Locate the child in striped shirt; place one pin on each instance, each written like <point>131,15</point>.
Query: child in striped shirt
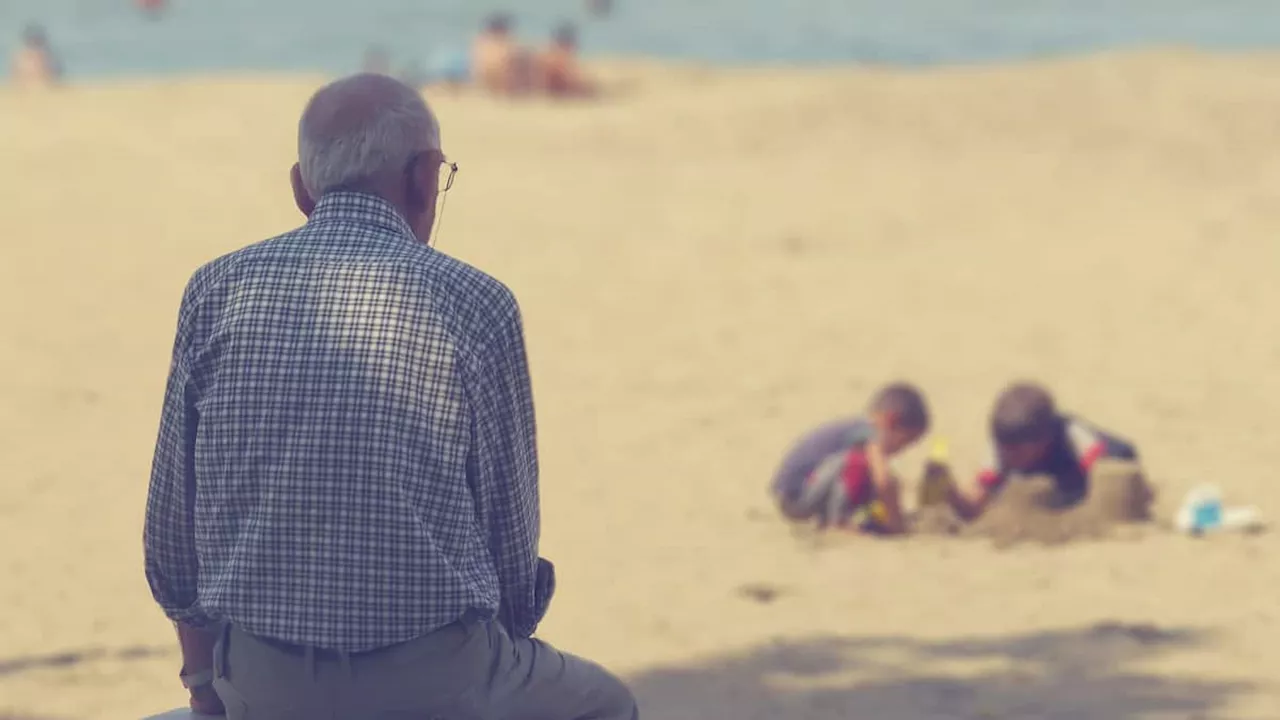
<point>1031,437</point>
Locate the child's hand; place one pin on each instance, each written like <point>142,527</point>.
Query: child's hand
<point>881,478</point>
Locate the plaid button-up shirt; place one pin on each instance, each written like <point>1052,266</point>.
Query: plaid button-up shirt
<point>347,455</point>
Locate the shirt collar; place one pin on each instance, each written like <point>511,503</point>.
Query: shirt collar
<point>360,209</point>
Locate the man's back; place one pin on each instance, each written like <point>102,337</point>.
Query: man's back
<point>334,372</point>
<point>342,518</point>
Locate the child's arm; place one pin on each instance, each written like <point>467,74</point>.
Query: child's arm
<point>887,490</point>
<point>969,502</point>
<point>1088,445</point>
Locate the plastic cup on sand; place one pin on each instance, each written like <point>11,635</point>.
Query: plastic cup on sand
<point>1202,511</point>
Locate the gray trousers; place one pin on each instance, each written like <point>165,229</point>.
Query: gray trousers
<point>470,670</point>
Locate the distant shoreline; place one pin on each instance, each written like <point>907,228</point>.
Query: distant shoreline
<point>112,40</point>
<point>626,65</point>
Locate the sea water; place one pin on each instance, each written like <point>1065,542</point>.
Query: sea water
<point>97,38</point>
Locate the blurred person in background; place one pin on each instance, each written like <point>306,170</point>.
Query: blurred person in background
<point>498,63</point>
<point>34,64</point>
<point>558,72</point>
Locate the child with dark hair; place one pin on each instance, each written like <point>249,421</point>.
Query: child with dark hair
<point>1031,437</point>
<point>842,467</point>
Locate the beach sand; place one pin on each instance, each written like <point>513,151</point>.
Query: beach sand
<point>709,263</point>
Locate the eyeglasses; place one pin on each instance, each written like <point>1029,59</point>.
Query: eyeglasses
<point>443,184</point>
<point>447,181</point>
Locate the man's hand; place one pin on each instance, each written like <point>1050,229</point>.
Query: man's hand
<point>204,701</point>
<point>197,645</point>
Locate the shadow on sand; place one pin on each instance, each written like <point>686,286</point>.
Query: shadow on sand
<point>1085,674</point>
<point>75,658</point>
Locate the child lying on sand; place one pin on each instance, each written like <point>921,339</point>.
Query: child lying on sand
<point>1030,437</point>
<point>842,467</point>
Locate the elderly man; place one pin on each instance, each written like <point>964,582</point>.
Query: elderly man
<point>345,486</point>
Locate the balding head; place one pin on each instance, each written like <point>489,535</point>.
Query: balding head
<point>373,134</point>
<point>359,128</point>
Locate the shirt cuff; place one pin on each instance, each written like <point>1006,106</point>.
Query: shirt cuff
<point>193,616</point>
<point>544,589</point>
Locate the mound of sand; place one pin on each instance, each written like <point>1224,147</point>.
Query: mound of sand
<point>1119,492</point>
<point>1027,510</point>
<point>936,520</point>
<point>1030,509</point>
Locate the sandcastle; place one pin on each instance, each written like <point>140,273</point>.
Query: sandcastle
<point>1028,509</point>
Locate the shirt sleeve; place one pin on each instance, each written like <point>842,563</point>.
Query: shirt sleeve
<point>862,433</point>
<point>1087,445</point>
<point>169,528</point>
<point>507,470</point>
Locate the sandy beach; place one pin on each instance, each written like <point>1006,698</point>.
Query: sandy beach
<point>710,262</point>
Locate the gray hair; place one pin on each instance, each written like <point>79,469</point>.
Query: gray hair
<point>359,128</point>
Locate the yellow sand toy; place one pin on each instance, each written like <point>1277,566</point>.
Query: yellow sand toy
<point>936,485</point>
<point>875,513</point>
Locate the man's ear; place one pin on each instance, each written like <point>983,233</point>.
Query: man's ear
<point>422,188</point>
<point>301,197</point>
